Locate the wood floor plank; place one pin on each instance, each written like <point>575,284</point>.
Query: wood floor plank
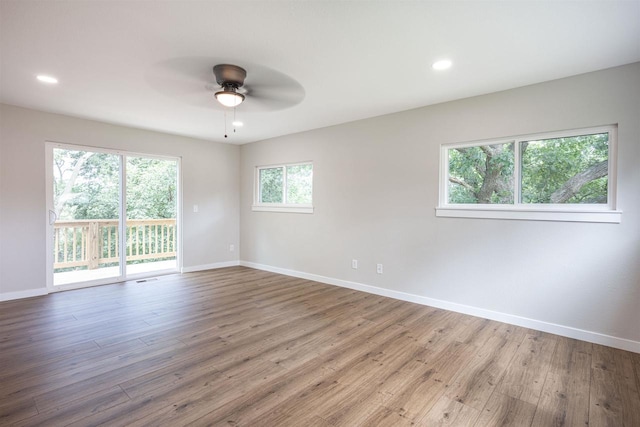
<point>526,372</point>
<point>361,395</point>
<point>57,373</point>
<point>210,397</point>
<point>614,397</point>
<point>502,410</point>
<point>385,417</point>
<point>12,410</point>
<point>78,409</point>
<point>417,395</point>
<point>440,330</point>
<point>62,388</point>
<point>565,395</point>
<point>237,346</point>
<point>636,366</point>
<point>304,393</point>
<point>212,388</point>
<point>475,382</point>
<point>496,329</point>
<point>447,412</point>
<point>30,361</point>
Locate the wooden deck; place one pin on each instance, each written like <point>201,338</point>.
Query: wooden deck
<point>242,347</point>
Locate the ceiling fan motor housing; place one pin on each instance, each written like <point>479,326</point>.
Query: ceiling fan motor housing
<point>228,75</point>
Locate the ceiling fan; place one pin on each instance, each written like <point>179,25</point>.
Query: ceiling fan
<point>231,79</point>
<point>265,90</point>
<point>190,80</point>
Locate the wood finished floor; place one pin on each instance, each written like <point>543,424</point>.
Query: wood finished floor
<point>242,347</point>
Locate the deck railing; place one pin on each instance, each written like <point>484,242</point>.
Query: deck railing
<point>95,242</point>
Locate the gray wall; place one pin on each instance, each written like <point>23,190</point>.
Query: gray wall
<point>376,187</point>
<point>209,173</point>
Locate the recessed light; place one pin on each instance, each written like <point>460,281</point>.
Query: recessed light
<point>442,64</point>
<point>47,79</point>
<point>237,124</point>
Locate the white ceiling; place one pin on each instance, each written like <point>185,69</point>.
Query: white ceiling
<point>145,63</point>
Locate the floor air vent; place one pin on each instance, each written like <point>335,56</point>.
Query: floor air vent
<point>146,280</point>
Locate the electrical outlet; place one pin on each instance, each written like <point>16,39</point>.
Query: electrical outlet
<point>354,264</point>
<point>379,268</point>
<point>232,248</point>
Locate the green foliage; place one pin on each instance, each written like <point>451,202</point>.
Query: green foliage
<point>299,184</point>
<point>548,164</point>
<point>87,186</point>
<point>472,169</point>
<point>271,185</point>
<point>151,188</point>
<point>464,165</point>
<point>485,174</point>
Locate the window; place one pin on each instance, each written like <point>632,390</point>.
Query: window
<point>284,188</point>
<point>561,176</point>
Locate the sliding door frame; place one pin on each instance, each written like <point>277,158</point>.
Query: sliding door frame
<point>122,223</point>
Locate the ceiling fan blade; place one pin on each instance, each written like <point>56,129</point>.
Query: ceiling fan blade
<point>272,98</point>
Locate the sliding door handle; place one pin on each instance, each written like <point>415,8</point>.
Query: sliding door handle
<point>53,217</point>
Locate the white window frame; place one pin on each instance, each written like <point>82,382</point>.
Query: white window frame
<point>260,206</point>
<point>527,211</point>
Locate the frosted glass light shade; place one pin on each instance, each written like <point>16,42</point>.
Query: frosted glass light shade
<point>229,98</point>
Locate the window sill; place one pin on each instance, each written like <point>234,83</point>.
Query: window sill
<point>605,216</point>
<point>290,209</point>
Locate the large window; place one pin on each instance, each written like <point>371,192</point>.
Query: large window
<point>566,176</point>
<point>284,188</point>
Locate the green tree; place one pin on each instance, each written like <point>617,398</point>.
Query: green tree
<point>481,174</point>
<point>87,185</point>
<point>559,170</point>
<point>565,170</point>
<point>151,188</point>
<point>299,183</point>
<point>271,185</point>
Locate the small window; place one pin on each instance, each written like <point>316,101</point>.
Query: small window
<point>563,176</point>
<point>284,188</point>
<point>571,170</point>
<point>481,174</point>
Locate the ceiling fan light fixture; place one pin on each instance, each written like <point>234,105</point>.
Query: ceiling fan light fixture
<point>229,98</point>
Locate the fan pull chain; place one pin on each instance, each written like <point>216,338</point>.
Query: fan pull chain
<point>225,122</point>
<point>234,119</point>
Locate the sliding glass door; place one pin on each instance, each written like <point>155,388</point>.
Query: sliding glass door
<point>111,215</point>
<point>152,194</point>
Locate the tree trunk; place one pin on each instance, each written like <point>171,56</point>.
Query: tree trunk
<point>579,180</point>
<point>492,174</point>
<point>490,171</point>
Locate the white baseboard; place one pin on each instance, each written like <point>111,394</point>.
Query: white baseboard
<point>8,296</point>
<point>209,266</point>
<point>539,325</point>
